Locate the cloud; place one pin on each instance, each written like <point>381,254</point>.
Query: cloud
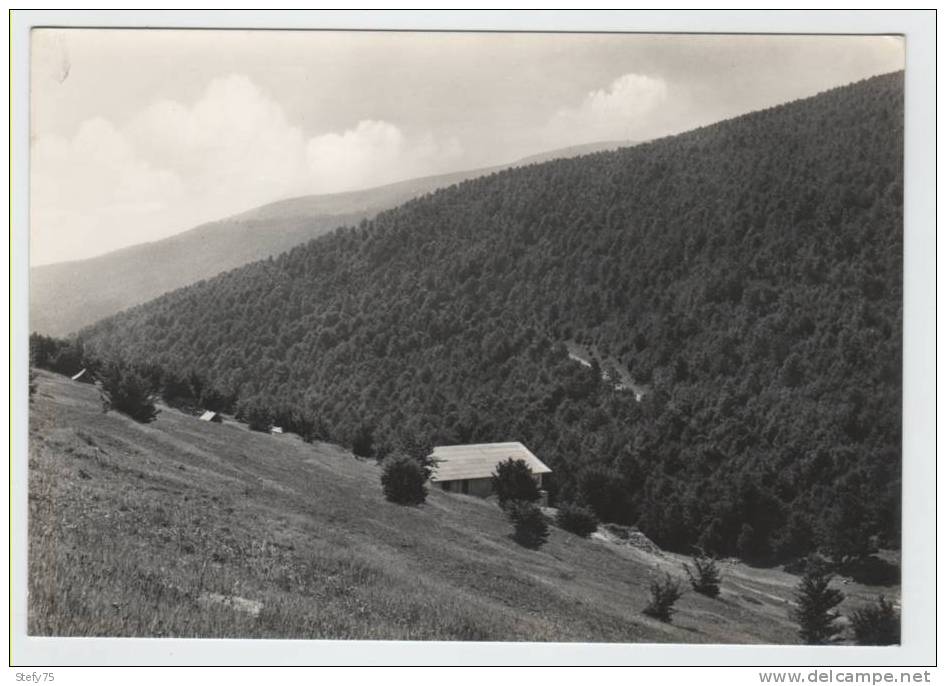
<point>173,166</point>
<point>623,111</point>
<point>374,153</point>
<point>233,143</point>
<point>93,182</point>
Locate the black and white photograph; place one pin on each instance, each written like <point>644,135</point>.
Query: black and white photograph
<point>466,336</point>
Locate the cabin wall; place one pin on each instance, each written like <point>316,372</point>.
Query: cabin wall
<point>481,488</point>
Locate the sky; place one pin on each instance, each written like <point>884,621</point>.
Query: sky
<point>137,135</point>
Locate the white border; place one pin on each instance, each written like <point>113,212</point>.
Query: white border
<point>919,352</point>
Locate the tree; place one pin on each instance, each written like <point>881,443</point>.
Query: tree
<point>704,577</point>
<point>577,519</point>
<point>847,526</point>
<point>421,449</point>
<point>531,529</point>
<point>815,600</point>
<point>663,594</point>
<point>257,416</point>
<point>362,443</point>
<point>58,355</point>
<point>513,481</point>
<point>877,624</point>
<point>798,538</point>
<point>128,392</point>
<point>601,489</point>
<point>212,398</point>
<point>403,479</point>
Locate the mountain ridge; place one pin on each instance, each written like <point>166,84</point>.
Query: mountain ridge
<point>66,296</point>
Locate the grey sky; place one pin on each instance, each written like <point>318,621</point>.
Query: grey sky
<point>137,135</point>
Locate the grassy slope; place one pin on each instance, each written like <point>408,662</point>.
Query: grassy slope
<point>133,526</point>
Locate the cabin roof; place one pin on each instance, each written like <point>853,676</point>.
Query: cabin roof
<point>208,415</point>
<point>479,461</point>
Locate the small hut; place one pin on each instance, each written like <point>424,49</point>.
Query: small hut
<point>470,468</point>
<point>276,430</point>
<point>210,416</point>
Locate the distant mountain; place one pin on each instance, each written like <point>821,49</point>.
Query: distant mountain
<point>66,296</point>
<point>748,273</point>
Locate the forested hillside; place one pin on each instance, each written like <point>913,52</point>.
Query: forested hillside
<point>67,296</point>
<point>749,273</point>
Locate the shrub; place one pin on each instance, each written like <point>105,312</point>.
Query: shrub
<point>513,481</point>
<point>403,479</point>
<point>531,529</point>
<point>704,577</point>
<point>663,594</point>
<point>128,392</point>
<point>871,571</point>
<point>876,625</point>
<point>577,519</point>
<point>815,602</point>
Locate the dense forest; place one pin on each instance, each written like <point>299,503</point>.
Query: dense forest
<point>749,273</point>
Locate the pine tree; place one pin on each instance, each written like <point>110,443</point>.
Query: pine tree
<point>704,577</point>
<point>663,594</point>
<point>128,392</point>
<point>513,481</point>
<point>531,529</point>
<point>816,601</point>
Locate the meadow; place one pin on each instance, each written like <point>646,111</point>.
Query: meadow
<point>190,529</point>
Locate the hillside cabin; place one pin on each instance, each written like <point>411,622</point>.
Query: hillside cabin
<point>469,468</point>
<point>209,416</point>
<point>276,430</point>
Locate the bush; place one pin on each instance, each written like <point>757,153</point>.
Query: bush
<point>876,625</point>
<point>403,479</point>
<point>704,577</point>
<point>128,392</point>
<point>513,481</point>
<point>531,529</point>
<point>577,519</point>
<point>815,602</point>
<point>871,571</point>
<point>663,594</point>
